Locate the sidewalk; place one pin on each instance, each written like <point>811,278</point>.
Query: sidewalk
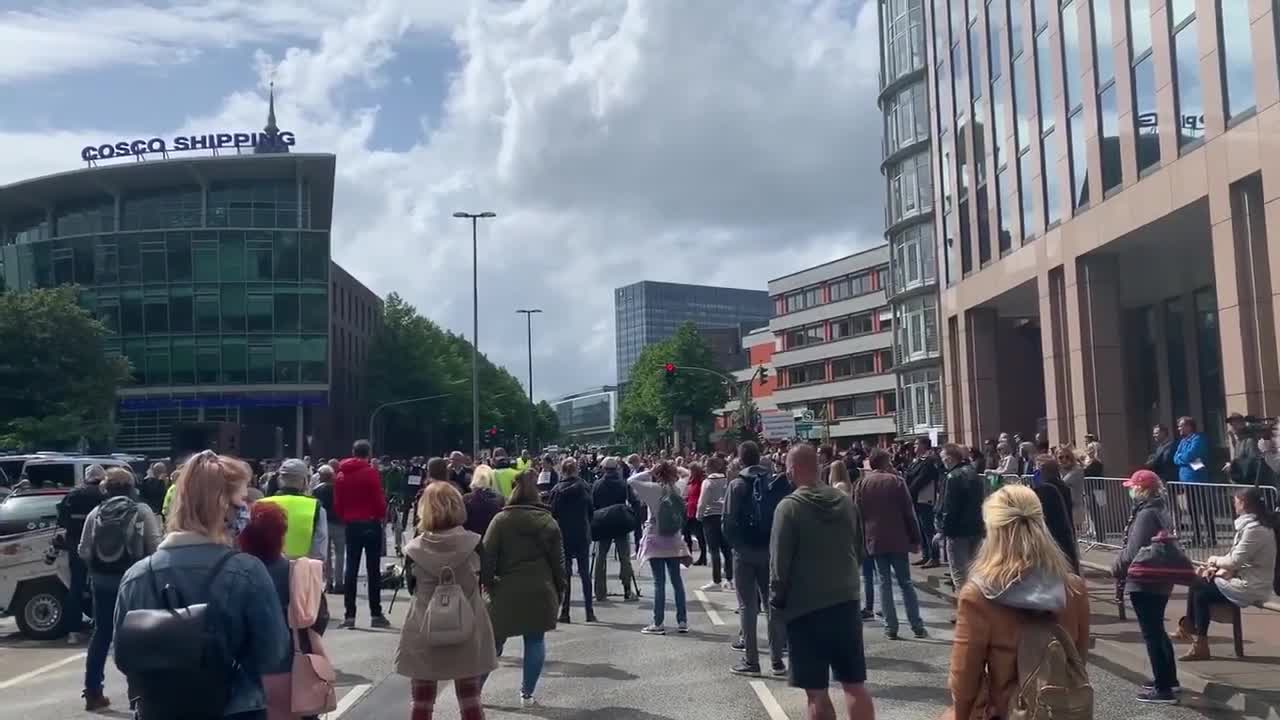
<point>1246,686</point>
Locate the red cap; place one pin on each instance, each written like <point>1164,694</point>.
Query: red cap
<point>1142,479</point>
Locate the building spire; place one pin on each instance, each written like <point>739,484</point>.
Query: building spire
<point>271,127</point>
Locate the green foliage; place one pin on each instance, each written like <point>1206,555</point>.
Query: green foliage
<point>546,424</point>
<point>410,357</point>
<point>57,381</point>
<point>652,401</point>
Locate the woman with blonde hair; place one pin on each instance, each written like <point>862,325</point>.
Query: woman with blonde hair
<point>197,562</point>
<point>483,502</point>
<point>1018,577</point>
<point>523,571</point>
<point>445,552</point>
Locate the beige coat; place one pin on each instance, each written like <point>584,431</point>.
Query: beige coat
<point>430,553</point>
<point>1250,567</point>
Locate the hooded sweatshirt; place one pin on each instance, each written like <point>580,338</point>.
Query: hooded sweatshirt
<point>357,493</point>
<point>711,498</point>
<point>812,552</point>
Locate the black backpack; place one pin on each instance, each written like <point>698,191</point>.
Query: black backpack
<point>118,532</point>
<point>175,657</point>
<point>766,492</point>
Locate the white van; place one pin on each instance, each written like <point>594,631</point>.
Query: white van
<point>64,470</point>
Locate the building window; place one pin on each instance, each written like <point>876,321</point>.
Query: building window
<point>907,118</point>
<point>910,187</point>
<point>1021,107</point>
<point>904,49</point>
<point>889,401</point>
<point>995,28</point>
<point>805,374</point>
<point>912,258</point>
<point>864,364</point>
<point>1041,14</point>
<point>966,240</point>
<point>916,327</point>
<point>958,77</point>
<point>1079,160</point>
<point>1017,14</point>
<point>886,360</point>
<point>975,50</point>
<point>1139,28</point>
<point>1044,81</point>
<point>1004,237</point>
<point>1109,140</point>
<point>856,406</point>
<point>999,125</point>
<point>841,368</point>
<point>804,299</point>
<point>1146,115</point>
<point>1237,59</point>
<point>1071,53</point>
<point>946,171</point>
<point>851,326</point>
<point>984,228</point>
<point>1050,181</point>
<point>1103,52</point>
<point>919,406</point>
<point>1190,111</point>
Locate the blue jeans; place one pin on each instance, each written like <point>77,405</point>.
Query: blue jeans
<point>73,611</point>
<point>535,654</point>
<point>888,566</point>
<point>662,567</point>
<point>869,583</point>
<point>105,588</point>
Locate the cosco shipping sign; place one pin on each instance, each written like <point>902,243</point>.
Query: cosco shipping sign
<point>186,143</point>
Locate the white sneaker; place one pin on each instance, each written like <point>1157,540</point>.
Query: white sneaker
<point>711,586</point>
<point>682,628</point>
<point>528,702</point>
<point>654,630</point>
<point>728,584</point>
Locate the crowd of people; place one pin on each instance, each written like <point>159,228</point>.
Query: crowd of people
<point>802,535</point>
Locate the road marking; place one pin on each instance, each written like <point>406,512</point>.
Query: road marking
<point>767,699</point>
<point>706,605</point>
<point>351,698</point>
<point>40,671</point>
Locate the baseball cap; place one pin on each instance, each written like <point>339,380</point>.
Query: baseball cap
<point>1143,480</point>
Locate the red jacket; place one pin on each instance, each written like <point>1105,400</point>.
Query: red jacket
<point>692,493</point>
<point>357,492</point>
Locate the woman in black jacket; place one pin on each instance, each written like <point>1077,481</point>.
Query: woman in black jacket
<point>570,502</point>
<point>1054,498</point>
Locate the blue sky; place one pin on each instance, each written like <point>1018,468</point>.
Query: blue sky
<point>717,142</point>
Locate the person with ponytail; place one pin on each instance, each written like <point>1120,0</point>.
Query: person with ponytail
<point>1019,575</point>
<point>1244,576</point>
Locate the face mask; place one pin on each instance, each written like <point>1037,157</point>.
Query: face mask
<point>1133,493</point>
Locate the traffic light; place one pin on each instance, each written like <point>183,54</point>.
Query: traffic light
<point>492,432</point>
<point>764,375</point>
<point>670,369</point>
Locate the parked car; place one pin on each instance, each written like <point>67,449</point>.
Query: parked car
<point>34,580</point>
<point>29,509</point>
<point>64,471</point>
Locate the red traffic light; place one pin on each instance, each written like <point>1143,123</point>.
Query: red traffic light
<point>670,368</point>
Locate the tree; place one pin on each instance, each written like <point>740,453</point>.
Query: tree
<point>411,356</point>
<point>652,400</point>
<point>546,424</point>
<point>57,380</point>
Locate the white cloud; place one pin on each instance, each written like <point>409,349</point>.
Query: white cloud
<point>714,142</point>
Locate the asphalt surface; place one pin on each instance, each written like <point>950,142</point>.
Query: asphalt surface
<point>604,670</point>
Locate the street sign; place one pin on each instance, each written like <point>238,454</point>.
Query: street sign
<point>807,416</point>
<point>805,430</point>
<point>777,426</point>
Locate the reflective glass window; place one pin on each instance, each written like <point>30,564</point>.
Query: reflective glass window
<point>1000,125</point>
<point>156,314</point>
<point>1050,180</point>
<point>1071,53</point>
<point>995,28</point>
<point>1237,58</point>
<point>1004,236</point>
<point>1139,27</point>
<point>966,239</point>
<point>204,256</point>
<point>181,308</point>
<point>233,307</point>
<point>1079,160</point>
<point>178,245</point>
<point>1146,113</point>
<point>131,313</point>
<point>234,360</point>
<point>1109,142</point>
<point>231,255</point>
<point>153,260</point>
<point>1026,174</point>
<point>286,256</point>
<point>182,363</point>
<point>314,359</point>
<point>980,130</point>
<point>288,357</point>
<point>258,255</point>
<point>207,319</point>
<point>261,363</point>
<point>1041,13</point>
<point>286,310</point>
<point>1190,110</point>
<point>975,64</point>
<point>1104,55</point>
<point>314,246</point>
<point>1180,10</point>
<point>1021,105</point>
<point>1044,81</point>
<point>157,362</point>
<point>259,310</point>
<point>1017,26</point>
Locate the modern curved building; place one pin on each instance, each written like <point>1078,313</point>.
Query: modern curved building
<point>909,218</point>
<point>213,273</point>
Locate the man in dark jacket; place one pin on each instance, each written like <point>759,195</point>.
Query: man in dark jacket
<point>459,472</point>
<point>571,506</point>
<point>892,533</point>
<point>614,503</point>
<point>960,512</point>
<point>924,474</point>
<point>73,510</point>
<point>1160,461</point>
<point>360,504</point>
<point>748,524</point>
<point>336,553</point>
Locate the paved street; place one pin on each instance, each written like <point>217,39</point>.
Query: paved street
<point>607,670</point>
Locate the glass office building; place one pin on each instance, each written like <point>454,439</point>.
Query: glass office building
<point>588,416</point>
<point>212,274</point>
<point>649,312</point>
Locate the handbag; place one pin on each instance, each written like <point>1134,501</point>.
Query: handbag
<point>1162,561</point>
<point>312,679</point>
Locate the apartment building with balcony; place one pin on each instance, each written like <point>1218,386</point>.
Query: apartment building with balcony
<point>835,347</point>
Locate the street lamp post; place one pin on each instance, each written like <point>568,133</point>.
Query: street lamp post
<point>475,330</point>
<point>528,316</point>
<point>374,415</point>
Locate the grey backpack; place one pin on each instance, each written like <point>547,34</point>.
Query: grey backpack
<point>449,619</point>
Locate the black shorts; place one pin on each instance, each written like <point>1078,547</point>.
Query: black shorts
<point>827,643</point>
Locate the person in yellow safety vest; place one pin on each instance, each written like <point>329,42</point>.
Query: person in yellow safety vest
<point>504,473</point>
<point>307,534</point>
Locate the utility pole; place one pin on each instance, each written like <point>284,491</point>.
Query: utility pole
<point>475,331</point>
<point>528,316</point>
